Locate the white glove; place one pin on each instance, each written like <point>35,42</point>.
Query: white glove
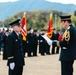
<point>55,40</point>
<point>12,65</point>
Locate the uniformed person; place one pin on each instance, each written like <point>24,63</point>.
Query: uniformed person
<point>30,39</point>
<point>57,48</point>
<point>4,42</point>
<point>27,43</point>
<point>42,43</point>
<point>68,46</point>
<point>35,41</point>
<point>14,50</point>
<point>47,47</point>
<point>54,37</point>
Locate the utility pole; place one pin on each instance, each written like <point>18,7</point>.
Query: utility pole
<point>3,23</point>
<point>55,20</point>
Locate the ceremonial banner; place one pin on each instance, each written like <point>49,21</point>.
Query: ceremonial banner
<point>50,25</point>
<point>23,27</point>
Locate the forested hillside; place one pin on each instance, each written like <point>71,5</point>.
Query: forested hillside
<point>39,19</point>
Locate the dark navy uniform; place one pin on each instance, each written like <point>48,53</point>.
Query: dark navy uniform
<point>54,37</point>
<point>4,48</point>
<point>47,49</point>
<point>30,39</point>
<point>57,48</point>
<point>25,47</point>
<point>68,50</point>
<point>15,53</point>
<point>42,45</point>
<point>35,41</point>
<point>14,50</point>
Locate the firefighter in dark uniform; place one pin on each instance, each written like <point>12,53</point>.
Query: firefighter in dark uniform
<point>4,42</point>
<point>57,48</point>
<point>24,47</point>
<point>14,50</point>
<point>47,51</point>
<point>27,43</point>
<point>68,46</point>
<point>42,43</point>
<point>30,39</point>
<point>24,43</point>
<point>47,47</point>
<point>54,37</point>
<point>35,43</point>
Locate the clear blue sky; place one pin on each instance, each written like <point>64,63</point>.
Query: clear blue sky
<point>59,1</point>
<point>64,1</point>
<point>8,0</point>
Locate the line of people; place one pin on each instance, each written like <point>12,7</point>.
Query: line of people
<point>34,40</point>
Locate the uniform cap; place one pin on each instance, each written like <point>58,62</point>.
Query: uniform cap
<point>15,23</point>
<point>67,17</point>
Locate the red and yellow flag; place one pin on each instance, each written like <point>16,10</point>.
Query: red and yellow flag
<point>50,25</point>
<point>23,27</point>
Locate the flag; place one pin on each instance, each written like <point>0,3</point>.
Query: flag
<point>23,27</point>
<point>50,26</point>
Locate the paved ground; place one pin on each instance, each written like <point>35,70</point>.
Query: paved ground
<point>41,65</point>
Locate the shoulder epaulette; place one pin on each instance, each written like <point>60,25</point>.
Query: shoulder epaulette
<point>68,27</point>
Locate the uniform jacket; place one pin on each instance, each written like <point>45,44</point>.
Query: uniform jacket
<point>14,49</point>
<point>41,39</point>
<point>54,36</point>
<point>4,50</point>
<point>30,38</point>
<point>68,44</point>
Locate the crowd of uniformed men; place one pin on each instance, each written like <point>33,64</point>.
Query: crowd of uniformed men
<point>30,46</point>
<point>15,49</point>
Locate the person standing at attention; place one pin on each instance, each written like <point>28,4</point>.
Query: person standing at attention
<point>15,50</point>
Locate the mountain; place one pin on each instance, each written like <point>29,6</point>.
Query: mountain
<point>10,8</point>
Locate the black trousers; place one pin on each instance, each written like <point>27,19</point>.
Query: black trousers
<point>53,49</point>
<point>35,50</point>
<point>17,71</point>
<point>57,50</point>
<point>67,67</point>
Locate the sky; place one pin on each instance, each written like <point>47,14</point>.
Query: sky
<point>64,1</point>
<point>8,0</point>
<point>59,1</point>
